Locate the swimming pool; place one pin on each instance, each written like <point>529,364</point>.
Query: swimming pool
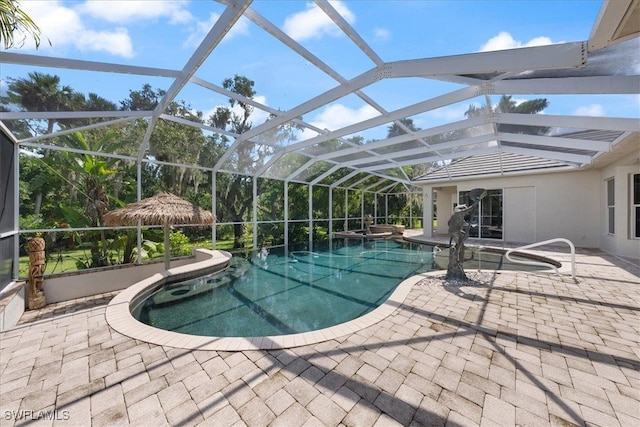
<point>286,292</point>
<point>295,291</point>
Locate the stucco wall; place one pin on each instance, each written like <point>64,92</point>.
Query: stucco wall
<point>621,242</point>
<point>519,207</point>
<point>565,204</point>
<point>444,208</point>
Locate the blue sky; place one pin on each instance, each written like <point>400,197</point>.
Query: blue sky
<point>163,34</point>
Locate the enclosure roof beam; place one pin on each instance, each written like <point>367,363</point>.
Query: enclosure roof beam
<point>430,158</point>
<point>221,27</point>
<point>556,56</point>
<point>344,178</point>
<point>46,115</point>
<point>79,129</point>
<point>292,44</point>
<point>384,190</point>
<point>76,64</point>
<point>222,91</point>
<point>392,157</point>
<point>388,142</point>
<point>577,122</point>
<point>77,151</point>
<point>570,85</point>
<point>202,126</point>
<point>325,174</point>
<point>301,169</point>
<point>378,183</point>
<point>543,57</point>
<point>296,112</point>
<point>555,141</point>
<point>349,31</point>
<point>355,184</point>
<point>421,107</point>
<point>300,50</point>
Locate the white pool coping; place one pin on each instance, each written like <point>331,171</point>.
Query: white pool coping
<point>119,317</point>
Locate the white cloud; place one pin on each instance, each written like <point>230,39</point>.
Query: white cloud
<point>381,34</point>
<point>593,110</point>
<point>120,12</point>
<point>337,116</point>
<point>200,29</point>
<point>504,40</point>
<point>314,23</point>
<point>452,113</point>
<point>63,27</point>
<point>114,42</point>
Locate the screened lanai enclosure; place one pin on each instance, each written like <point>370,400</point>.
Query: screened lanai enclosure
<point>356,123</point>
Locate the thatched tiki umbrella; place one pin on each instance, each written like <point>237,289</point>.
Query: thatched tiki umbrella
<point>162,209</point>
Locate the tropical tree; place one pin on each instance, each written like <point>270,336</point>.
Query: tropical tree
<point>507,105</point>
<point>14,21</point>
<point>170,142</point>
<point>42,92</point>
<point>88,181</point>
<point>395,129</point>
<point>236,189</point>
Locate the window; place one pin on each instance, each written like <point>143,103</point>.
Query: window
<point>635,213</point>
<point>611,209</point>
<point>485,220</point>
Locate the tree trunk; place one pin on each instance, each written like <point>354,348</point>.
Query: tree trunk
<point>238,233</point>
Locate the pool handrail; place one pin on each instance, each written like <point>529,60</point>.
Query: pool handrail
<point>533,245</point>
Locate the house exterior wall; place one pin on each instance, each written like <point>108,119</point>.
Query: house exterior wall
<point>519,204</point>
<point>544,206</point>
<point>568,204</point>
<point>565,205</point>
<point>446,195</point>
<point>621,242</point>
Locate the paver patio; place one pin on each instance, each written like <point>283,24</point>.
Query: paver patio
<point>519,349</point>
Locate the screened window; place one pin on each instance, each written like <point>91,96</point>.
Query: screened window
<point>635,217</point>
<point>611,209</point>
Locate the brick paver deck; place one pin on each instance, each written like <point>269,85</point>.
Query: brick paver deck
<point>524,349</point>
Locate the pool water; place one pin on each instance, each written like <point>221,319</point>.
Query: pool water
<point>292,291</point>
<point>286,293</point>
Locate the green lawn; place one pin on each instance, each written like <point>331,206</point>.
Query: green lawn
<point>65,261</point>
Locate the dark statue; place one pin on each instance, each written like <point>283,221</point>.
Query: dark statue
<point>459,232</point>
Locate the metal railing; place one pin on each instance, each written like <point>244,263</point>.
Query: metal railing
<point>533,245</point>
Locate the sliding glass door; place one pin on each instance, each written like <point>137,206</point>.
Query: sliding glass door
<point>486,220</point>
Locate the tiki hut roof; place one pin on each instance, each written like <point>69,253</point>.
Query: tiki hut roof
<point>161,209</point>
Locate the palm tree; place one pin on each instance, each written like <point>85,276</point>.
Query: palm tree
<point>42,92</point>
<point>13,20</point>
<point>396,130</point>
<point>508,105</point>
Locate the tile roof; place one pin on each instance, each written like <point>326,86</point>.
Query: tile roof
<point>498,163</point>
